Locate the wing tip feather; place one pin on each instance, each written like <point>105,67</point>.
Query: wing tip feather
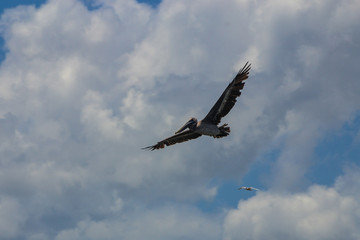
<point>149,148</point>
<point>246,68</point>
<point>153,147</point>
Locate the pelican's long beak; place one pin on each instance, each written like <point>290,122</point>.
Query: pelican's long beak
<point>186,125</point>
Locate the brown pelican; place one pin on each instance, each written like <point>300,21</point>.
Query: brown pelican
<point>248,188</point>
<point>208,126</point>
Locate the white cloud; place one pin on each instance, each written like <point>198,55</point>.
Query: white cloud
<point>161,223</point>
<point>99,121</point>
<point>11,217</point>
<point>319,213</point>
<point>82,91</point>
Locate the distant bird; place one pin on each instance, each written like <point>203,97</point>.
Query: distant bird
<point>248,188</point>
<point>208,126</point>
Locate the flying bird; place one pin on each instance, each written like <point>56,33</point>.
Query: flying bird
<point>208,126</point>
<point>248,188</point>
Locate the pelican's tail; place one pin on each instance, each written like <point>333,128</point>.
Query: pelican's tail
<point>224,131</point>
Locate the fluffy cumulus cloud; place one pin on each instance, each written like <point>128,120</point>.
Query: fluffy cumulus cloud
<point>319,213</point>
<point>163,223</point>
<point>82,90</point>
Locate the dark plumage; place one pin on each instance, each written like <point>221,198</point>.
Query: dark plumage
<point>208,126</point>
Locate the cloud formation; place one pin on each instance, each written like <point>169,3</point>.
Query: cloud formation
<point>319,213</point>
<point>82,91</point>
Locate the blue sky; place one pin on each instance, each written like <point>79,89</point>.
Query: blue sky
<point>11,4</point>
<point>84,85</point>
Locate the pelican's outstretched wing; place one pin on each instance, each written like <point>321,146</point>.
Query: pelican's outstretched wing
<point>177,138</point>
<point>228,99</point>
<point>248,188</point>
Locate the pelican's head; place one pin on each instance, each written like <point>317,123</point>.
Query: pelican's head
<point>191,124</point>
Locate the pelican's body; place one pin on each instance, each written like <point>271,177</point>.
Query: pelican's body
<point>248,188</point>
<point>208,129</point>
<point>204,128</point>
<point>209,125</point>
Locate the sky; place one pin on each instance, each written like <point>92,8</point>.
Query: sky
<point>84,85</point>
